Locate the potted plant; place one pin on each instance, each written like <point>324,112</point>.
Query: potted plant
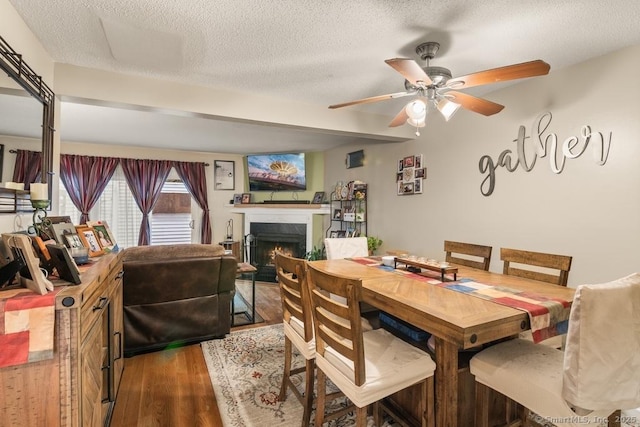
<point>373,243</point>
<point>314,254</point>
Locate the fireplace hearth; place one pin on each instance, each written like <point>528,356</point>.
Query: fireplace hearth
<point>266,239</point>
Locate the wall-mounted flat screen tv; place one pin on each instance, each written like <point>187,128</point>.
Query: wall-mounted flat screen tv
<point>276,172</point>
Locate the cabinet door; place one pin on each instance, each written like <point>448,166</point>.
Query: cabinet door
<point>91,360</point>
<point>118,331</point>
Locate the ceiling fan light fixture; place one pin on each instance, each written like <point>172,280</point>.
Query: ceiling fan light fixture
<point>416,110</point>
<point>447,108</point>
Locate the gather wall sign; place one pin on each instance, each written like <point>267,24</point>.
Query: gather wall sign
<point>545,144</point>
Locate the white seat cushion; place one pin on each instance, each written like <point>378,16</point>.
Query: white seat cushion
<point>295,332</point>
<point>530,374</point>
<point>391,365</point>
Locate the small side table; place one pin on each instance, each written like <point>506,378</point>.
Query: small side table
<point>246,268</point>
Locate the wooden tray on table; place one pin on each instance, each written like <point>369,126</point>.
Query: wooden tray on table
<point>429,266</point>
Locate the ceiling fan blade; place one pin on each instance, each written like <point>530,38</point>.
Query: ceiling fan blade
<point>410,70</point>
<point>478,105</point>
<point>399,119</point>
<point>372,99</point>
<point>501,74</point>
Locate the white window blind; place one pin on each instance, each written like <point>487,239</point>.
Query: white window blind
<point>116,206</point>
<point>171,228</point>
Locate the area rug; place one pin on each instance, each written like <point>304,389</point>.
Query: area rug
<point>246,372</point>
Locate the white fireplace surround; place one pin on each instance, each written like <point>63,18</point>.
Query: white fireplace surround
<point>282,215</point>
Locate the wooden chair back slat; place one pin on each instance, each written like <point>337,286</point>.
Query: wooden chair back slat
<point>338,325</point>
<point>480,251</point>
<point>294,292</point>
<point>538,259</point>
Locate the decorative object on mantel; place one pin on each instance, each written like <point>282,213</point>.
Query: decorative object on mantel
<point>411,173</point>
<point>545,144</point>
<point>318,197</point>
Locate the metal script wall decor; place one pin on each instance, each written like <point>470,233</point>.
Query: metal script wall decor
<point>544,144</point>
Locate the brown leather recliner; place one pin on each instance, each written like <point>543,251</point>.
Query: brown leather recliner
<point>175,295</point>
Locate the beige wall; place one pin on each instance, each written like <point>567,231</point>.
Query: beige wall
<point>587,211</point>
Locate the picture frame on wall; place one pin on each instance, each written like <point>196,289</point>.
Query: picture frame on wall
<point>417,186</point>
<point>224,174</point>
<point>408,162</point>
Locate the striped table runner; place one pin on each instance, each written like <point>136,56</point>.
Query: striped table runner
<point>548,316</point>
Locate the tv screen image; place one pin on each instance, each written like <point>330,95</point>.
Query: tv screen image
<point>276,172</point>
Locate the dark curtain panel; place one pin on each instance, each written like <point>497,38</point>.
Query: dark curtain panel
<point>145,179</point>
<point>85,178</point>
<point>193,176</point>
<point>28,167</point>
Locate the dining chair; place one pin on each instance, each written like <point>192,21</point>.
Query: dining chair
<point>347,247</point>
<point>365,366</point>
<point>471,252</point>
<point>537,259</point>
<point>597,373</point>
<point>298,329</point>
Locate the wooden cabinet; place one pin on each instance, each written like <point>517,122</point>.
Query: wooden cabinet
<point>78,386</point>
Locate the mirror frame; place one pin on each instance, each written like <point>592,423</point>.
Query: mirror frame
<point>13,64</point>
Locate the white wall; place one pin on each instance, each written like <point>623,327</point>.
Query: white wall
<point>588,211</point>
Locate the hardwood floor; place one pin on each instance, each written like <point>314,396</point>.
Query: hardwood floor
<point>172,387</point>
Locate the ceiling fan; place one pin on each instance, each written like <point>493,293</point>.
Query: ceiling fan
<point>435,87</point>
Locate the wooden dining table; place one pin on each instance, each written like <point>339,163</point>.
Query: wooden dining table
<point>457,321</point>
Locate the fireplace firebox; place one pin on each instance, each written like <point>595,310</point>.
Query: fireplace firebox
<point>265,239</point>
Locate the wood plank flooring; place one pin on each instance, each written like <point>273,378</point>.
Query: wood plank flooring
<point>172,388</point>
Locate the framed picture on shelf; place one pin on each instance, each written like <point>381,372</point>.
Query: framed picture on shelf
<point>246,198</point>
<point>341,233</point>
<point>333,234</point>
<point>63,233</point>
<point>237,199</point>
<point>223,174</point>
<point>64,264</point>
<point>337,214</point>
<point>90,240</point>
<point>318,198</point>
<point>20,248</point>
<point>104,235</point>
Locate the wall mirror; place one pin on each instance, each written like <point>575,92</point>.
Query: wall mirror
<point>26,107</point>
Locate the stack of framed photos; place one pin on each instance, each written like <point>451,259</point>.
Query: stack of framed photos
<point>70,245</point>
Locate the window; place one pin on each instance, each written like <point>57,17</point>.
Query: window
<point>171,222</point>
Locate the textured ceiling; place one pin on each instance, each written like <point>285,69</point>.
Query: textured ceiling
<point>319,52</point>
